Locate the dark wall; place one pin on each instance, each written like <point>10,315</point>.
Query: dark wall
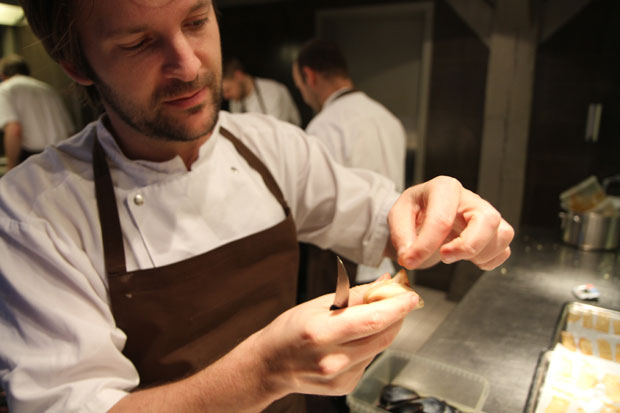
<point>456,107</point>
<point>260,36</point>
<point>577,66</point>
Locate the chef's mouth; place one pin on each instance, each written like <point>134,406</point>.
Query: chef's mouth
<point>187,99</point>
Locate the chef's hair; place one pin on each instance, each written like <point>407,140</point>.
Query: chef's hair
<point>12,65</point>
<point>322,56</point>
<point>230,65</point>
<point>54,23</point>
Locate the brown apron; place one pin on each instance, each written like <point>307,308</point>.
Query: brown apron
<point>181,317</point>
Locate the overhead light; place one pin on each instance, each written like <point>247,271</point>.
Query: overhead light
<point>11,15</point>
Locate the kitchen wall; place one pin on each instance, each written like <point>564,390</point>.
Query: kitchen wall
<point>576,66</point>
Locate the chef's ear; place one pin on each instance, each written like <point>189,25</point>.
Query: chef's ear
<point>75,74</point>
<point>239,75</point>
<point>309,76</point>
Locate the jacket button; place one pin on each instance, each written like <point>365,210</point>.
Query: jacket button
<point>138,199</point>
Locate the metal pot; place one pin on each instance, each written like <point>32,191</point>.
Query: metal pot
<point>590,230</point>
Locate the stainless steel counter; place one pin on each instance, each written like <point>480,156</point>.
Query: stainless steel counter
<point>507,319</point>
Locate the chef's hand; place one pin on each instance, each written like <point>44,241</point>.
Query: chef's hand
<point>441,220</point>
<point>310,349</point>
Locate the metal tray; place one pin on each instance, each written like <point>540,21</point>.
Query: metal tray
<point>545,357</point>
<point>580,307</point>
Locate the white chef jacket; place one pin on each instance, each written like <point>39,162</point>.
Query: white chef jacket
<point>276,100</point>
<point>60,349</point>
<point>39,110</point>
<point>359,132</point>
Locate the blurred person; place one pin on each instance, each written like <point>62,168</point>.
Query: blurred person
<point>358,131</point>
<point>155,266</point>
<point>32,113</point>
<point>247,93</point>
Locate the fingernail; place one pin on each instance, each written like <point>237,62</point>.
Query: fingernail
<point>449,260</point>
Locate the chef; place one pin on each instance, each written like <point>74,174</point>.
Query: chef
<point>32,113</point>
<point>247,93</point>
<point>358,131</point>
<point>150,264</point>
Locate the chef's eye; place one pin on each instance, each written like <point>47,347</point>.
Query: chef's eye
<point>135,45</point>
<point>197,23</point>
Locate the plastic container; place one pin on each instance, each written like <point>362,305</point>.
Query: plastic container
<point>459,388</point>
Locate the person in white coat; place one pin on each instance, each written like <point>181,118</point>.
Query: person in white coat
<point>246,93</point>
<point>151,262</point>
<point>358,131</point>
<point>32,113</point>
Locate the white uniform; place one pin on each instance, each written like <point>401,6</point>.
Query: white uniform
<point>39,110</point>
<point>359,132</point>
<point>270,98</point>
<point>61,350</point>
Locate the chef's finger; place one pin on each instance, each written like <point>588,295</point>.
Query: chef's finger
<point>402,222</point>
<point>365,320</point>
<point>481,224</point>
<point>497,245</point>
<point>373,344</point>
<point>495,262</point>
<point>436,221</point>
<point>350,354</point>
<point>335,377</point>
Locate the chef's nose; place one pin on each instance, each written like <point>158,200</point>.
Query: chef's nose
<point>180,60</point>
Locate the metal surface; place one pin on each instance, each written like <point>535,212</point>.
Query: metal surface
<point>506,320</point>
<point>342,287</point>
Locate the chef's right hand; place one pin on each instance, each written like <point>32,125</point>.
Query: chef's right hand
<point>310,349</point>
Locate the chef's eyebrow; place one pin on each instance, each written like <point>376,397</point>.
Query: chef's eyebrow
<point>200,4</point>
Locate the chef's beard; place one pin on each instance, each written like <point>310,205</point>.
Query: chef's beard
<point>153,121</point>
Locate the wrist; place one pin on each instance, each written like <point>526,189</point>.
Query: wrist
<point>273,378</point>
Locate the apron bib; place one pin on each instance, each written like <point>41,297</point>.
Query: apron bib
<point>181,317</point>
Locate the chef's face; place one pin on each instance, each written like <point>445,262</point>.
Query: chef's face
<point>156,64</point>
<point>307,93</point>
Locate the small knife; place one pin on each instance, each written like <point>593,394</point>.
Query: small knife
<point>342,288</point>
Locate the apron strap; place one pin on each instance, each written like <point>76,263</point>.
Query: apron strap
<point>111,233</point>
<point>259,166</point>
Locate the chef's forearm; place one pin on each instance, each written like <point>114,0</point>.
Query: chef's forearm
<point>12,143</point>
<point>240,382</point>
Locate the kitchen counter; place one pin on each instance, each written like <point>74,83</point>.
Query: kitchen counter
<point>505,321</point>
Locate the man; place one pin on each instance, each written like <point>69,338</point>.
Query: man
<point>358,131</point>
<point>32,113</point>
<point>254,94</point>
<point>155,266</point>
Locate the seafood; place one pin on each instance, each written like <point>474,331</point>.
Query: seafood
<point>381,290</point>
<point>392,395</point>
<point>397,399</point>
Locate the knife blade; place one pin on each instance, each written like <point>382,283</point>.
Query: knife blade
<point>342,287</point>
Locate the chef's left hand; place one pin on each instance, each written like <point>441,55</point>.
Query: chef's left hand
<point>441,220</point>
